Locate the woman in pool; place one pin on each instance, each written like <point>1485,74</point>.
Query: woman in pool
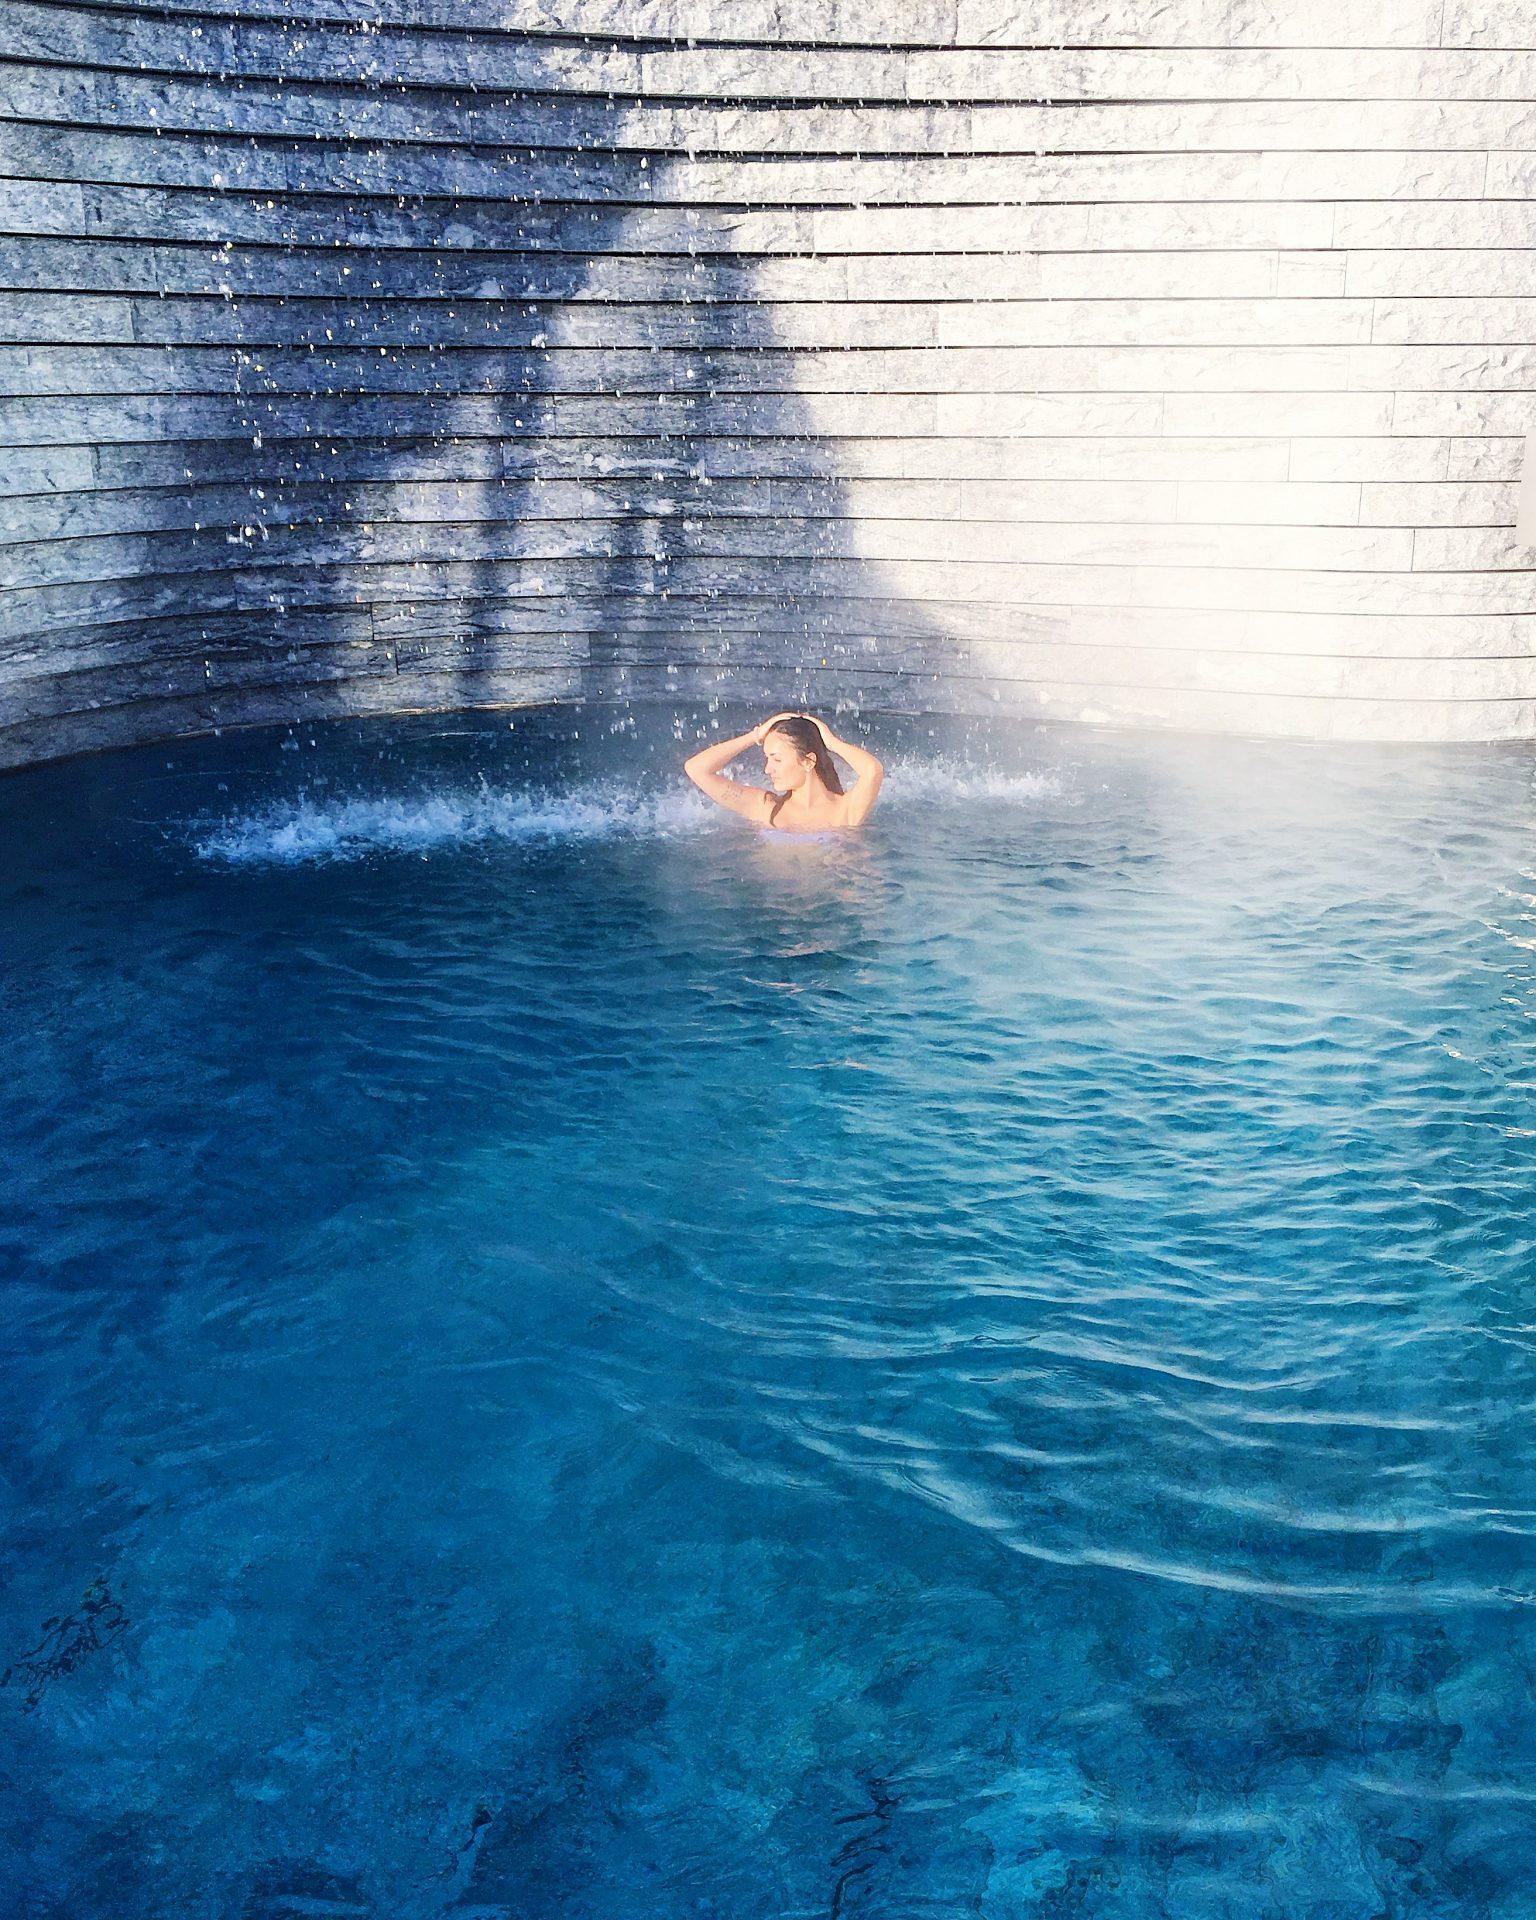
<point>797,757</point>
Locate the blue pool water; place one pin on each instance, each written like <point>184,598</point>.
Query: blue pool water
<point>569,1358</point>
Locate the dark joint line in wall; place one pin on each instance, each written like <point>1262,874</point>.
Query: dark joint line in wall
<point>700,261</point>
<point>318,87</point>
<point>373,146</point>
<point>731,256</point>
<point>299,199</point>
<point>556,204</point>
<point>287,19</point>
<point>547,304</point>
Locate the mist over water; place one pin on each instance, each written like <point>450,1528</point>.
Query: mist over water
<point>572,1357</point>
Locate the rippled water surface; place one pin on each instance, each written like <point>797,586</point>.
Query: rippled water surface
<point>570,1357</point>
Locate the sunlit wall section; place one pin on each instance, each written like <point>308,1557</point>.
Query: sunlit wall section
<point>1138,365</point>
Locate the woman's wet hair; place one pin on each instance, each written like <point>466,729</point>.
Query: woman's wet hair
<point>806,735</point>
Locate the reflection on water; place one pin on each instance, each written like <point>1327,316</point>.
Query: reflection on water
<point>570,1357</point>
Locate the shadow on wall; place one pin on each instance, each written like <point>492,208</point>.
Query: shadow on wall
<point>471,445</point>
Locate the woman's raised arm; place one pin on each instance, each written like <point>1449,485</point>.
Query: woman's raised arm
<point>864,764</point>
<point>703,769</point>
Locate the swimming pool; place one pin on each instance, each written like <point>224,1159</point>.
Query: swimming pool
<point>569,1357</point>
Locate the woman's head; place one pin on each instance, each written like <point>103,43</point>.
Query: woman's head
<point>794,752</point>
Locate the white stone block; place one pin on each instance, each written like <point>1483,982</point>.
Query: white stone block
<point>1439,367</point>
<point>1484,459</point>
<point>1410,227</point>
<point>1470,550</point>
<point>1152,276</point>
<point>1444,503</point>
<point>1193,226</point>
<point>1199,73</point>
<point>1336,458</point>
<point>1425,273</point>
<point>1199,23</point>
<point>1081,502</point>
<point>1323,23</point>
<point>1479,322</point>
<point>1510,176</point>
<point>1486,23</point>
<point>1293,503</point>
<point>948,230</point>
<point>1216,323</point>
<point>1094,414</point>
<point>1456,414</point>
<point>1370,176</point>
<point>1354,414</point>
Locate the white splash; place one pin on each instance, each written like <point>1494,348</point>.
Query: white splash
<point>311,829</point>
<point>949,782</point>
<point>291,832</point>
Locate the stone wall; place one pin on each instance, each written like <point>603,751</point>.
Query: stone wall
<point>1147,365</point>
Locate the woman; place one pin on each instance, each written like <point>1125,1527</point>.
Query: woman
<point>797,757</point>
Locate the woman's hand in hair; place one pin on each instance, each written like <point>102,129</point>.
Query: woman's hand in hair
<point>759,733</point>
<point>866,765</point>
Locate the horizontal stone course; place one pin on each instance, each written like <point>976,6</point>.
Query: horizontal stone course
<point>456,628</point>
<point>1156,503</point>
<point>282,164</point>
<point>614,131</point>
<point>29,611</point>
<point>50,518</point>
<point>401,57</point>
<point>669,279</point>
<point>928,23</point>
<point>531,327</point>
<point>180,214</point>
<point>789,539</point>
<point>72,369</point>
<point>337,461</point>
<point>528,328</point>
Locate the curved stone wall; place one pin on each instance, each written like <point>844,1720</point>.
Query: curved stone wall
<point>1142,365</point>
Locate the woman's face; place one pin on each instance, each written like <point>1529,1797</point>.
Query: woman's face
<point>786,765</point>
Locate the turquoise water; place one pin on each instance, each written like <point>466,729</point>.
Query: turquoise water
<point>567,1357</point>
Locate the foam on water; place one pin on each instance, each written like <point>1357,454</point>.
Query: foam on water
<point>337,827</point>
<point>313,828</point>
